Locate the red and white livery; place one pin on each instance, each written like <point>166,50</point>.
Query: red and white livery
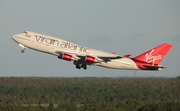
<point>83,56</point>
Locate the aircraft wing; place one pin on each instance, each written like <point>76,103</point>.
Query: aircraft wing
<point>87,58</point>
<point>106,59</point>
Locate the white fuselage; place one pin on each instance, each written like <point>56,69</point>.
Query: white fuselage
<point>50,45</point>
<point>123,64</point>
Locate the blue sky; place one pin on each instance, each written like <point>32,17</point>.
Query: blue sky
<point>110,25</point>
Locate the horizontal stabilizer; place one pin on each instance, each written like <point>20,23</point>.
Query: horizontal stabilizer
<point>127,55</point>
<point>114,53</point>
<point>150,67</point>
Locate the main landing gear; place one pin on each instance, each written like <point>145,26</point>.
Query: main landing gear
<point>79,66</point>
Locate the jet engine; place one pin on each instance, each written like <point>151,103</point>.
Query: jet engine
<point>91,59</point>
<point>66,57</point>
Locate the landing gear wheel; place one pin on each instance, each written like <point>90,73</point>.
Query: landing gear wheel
<point>22,51</point>
<point>84,66</point>
<point>78,67</point>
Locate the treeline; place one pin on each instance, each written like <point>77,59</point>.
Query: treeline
<point>98,93</point>
<point>115,106</point>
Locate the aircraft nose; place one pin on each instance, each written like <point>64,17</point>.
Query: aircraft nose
<point>13,37</point>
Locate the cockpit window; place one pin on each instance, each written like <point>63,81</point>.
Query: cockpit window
<point>26,34</point>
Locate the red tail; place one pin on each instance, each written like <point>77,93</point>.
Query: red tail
<point>154,55</point>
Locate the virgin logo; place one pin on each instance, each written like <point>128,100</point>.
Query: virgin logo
<point>152,58</point>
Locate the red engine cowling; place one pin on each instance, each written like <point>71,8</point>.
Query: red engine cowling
<point>66,57</point>
<point>90,59</point>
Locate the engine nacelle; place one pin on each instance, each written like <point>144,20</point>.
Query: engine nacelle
<point>90,59</point>
<point>66,57</point>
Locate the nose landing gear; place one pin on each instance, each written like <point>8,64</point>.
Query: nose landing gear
<point>22,51</point>
<point>24,48</point>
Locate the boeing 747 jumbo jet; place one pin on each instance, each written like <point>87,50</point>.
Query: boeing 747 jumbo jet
<point>83,56</point>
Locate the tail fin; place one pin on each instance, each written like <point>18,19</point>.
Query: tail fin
<point>155,55</point>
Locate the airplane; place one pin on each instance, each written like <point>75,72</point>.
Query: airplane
<point>83,56</point>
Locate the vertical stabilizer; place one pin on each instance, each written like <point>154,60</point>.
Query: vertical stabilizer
<point>155,55</point>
